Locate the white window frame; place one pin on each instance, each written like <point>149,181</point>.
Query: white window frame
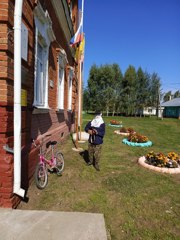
<point>43,37</point>
<point>41,76</point>
<point>70,81</point>
<point>62,61</point>
<point>71,9</point>
<point>61,75</point>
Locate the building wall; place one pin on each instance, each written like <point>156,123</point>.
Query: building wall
<point>35,122</point>
<point>149,111</point>
<point>7,199</point>
<point>172,112</point>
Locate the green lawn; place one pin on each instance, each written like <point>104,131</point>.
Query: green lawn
<point>137,203</point>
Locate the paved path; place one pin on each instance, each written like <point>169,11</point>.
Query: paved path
<point>51,225</point>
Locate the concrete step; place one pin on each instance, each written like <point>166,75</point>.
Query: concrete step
<point>51,225</point>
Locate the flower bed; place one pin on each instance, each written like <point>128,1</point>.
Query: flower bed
<point>171,160</point>
<point>143,162</point>
<point>135,144</point>
<point>115,122</point>
<point>137,140</point>
<point>114,125</point>
<point>127,130</point>
<point>121,133</point>
<point>124,131</point>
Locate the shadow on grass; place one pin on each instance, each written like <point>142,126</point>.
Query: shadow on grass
<point>85,155</point>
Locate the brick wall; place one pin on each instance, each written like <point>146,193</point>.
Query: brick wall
<point>6,115</point>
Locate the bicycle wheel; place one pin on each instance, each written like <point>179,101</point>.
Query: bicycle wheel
<point>59,163</point>
<point>41,176</point>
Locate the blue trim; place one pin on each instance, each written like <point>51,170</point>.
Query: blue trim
<point>115,125</point>
<point>135,144</point>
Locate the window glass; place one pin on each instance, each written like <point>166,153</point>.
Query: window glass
<point>61,88</point>
<point>40,83</point>
<point>70,90</point>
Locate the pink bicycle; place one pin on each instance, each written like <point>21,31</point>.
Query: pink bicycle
<point>55,163</point>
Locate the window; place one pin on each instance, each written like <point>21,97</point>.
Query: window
<point>40,81</point>
<point>61,84</point>
<point>62,61</point>
<point>43,37</point>
<point>70,89</point>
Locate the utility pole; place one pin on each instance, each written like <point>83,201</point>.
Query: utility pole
<point>160,115</point>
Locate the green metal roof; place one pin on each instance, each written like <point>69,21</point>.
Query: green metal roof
<point>175,102</point>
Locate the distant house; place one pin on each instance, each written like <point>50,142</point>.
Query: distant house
<point>172,108</point>
<point>147,111</point>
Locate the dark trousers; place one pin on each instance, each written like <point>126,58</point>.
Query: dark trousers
<point>94,152</point>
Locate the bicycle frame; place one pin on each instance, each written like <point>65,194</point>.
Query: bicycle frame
<point>53,163</point>
<point>44,161</point>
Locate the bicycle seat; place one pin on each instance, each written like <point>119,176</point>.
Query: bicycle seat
<point>53,143</point>
<point>50,143</point>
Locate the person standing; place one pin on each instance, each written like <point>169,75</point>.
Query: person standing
<point>96,130</point>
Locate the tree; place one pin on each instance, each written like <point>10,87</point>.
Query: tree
<point>106,82</point>
<point>103,87</point>
<point>94,88</point>
<point>117,82</point>
<point>86,100</point>
<point>109,90</point>
<point>177,94</point>
<point>155,91</point>
<point>142,90</point>
<point>128,90</point>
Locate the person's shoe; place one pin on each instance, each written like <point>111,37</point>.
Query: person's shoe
<point>89,163</point>
<point>96,166</point>
<point>50,169</point>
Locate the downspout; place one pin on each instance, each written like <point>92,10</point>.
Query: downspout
<point>17,98</point>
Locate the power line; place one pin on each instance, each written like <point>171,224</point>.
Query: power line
<point>171,84</point>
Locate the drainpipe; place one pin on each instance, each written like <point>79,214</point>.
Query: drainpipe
<point>17,98</point>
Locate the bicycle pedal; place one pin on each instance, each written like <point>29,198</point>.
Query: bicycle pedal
<point>50,169</point>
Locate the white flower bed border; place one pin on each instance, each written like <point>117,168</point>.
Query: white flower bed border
<point>142,162</point>
<point>121,133</point>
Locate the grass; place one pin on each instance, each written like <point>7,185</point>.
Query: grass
<point>137,203</point>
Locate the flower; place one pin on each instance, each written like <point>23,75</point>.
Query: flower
<point>173,156</point>
<point>171,160</point>
<point>126,130</point>
<point>136,137</point>
<point>130,130</point>
<point>115,122</point>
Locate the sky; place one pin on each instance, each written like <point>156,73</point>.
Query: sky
<point>142,33</point>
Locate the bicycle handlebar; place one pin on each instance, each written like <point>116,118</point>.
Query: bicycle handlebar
<point>34,142</point>
<point>39,144</point>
